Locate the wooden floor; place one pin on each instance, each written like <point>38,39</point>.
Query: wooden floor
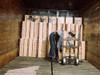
<point>36,66</point>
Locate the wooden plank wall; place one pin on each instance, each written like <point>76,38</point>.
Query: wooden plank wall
<point>39,44</point>
<point>11,14</point>
<point>92,32</point>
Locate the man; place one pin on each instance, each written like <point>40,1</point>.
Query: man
<point>70,38</point>
<point>53,40</point>
<point>59,35</point>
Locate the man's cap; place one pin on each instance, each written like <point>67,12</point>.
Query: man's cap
<point>73,33</point>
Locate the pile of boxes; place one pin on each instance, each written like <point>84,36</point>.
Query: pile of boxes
<point>35,41</point>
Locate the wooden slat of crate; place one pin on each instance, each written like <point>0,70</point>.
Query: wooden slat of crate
<point>23,29</point>
<point>34,48</point>
<point>83,44</point>
<point>80,51</point>
<point>35,30</point>
<point>40,48</point>
<point>32,30</point>
<point>40,39</point>
<point>83,49</point>
<point>30,47</point>
<point>37,39</point>
<point>69,20</point>
<point>80,48</point>
<point>25,47</point>
<point>36,25</point>
<point>66,25</point>
<point>81,32</point>
<point>36,36</point>
<point>21,47</point>
<point>36,44</point>
<point>44,30</point>
<point>28,23</point>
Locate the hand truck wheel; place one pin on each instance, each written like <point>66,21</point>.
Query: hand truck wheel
<point>76,61</point>
<point>64,61</point>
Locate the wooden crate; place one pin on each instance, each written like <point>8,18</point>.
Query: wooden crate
<point>61,20</point>
<point>69,20</point>
<point>78,20</point>
<point>53,20</point>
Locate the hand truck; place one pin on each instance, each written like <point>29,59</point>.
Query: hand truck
<point>69,59</point>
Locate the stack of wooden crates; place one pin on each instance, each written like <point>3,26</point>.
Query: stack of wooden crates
<point>35,41</point>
